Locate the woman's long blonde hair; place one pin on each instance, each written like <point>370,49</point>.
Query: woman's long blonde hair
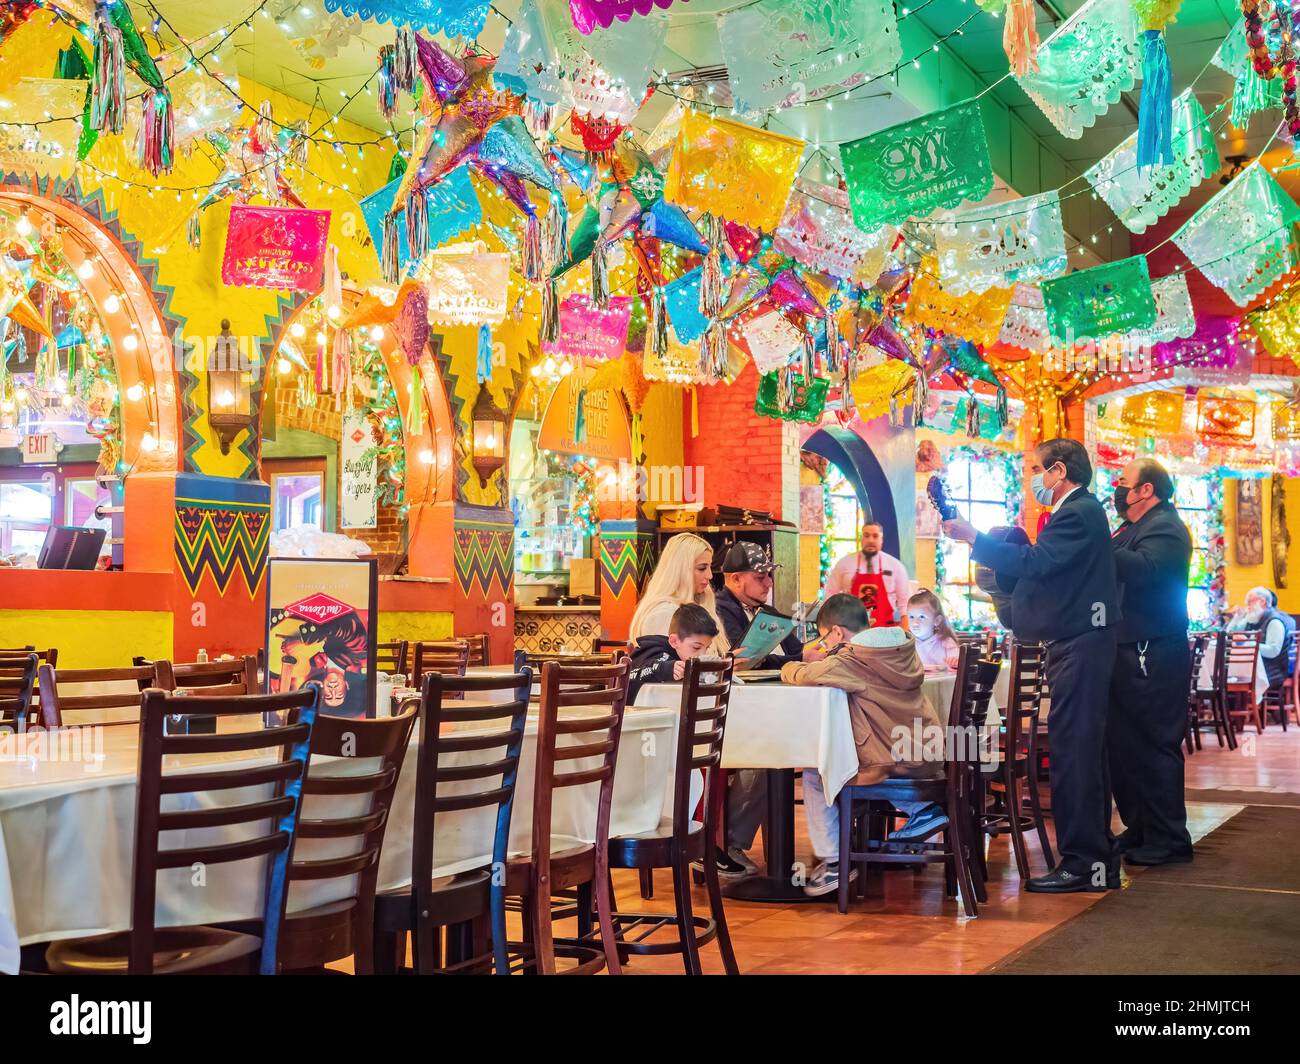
<point>674,581</point>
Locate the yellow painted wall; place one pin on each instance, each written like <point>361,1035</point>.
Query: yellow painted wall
<point>90,639</point>
<point>1241,578</point>
<point>414,626</point>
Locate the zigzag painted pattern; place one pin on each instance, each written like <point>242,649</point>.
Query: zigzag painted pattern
<point>219,538</point>
<point>625,559</point>
<point>484,556</point>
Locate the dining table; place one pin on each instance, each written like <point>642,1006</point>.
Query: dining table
<point>67,821</point>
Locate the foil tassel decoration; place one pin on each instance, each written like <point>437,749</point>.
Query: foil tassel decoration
<point>531,265</point>
<point>157,133</point>
<point>920,398</point>
<point>388,81</point>
<point>406,62</point>
<point>712,283</point>
<point>341,370</point>
<point>715,351</point>
<point>483,369</point>
<point>539,117</point>
<point>264,128</point>
<point>108,78</point>
<point>600,275</point>
<point>580,418</point>
<point>657,329</point>
<point>417,223</point>
<point>809,367</point>
<point>832,341</point>
<point>1155,104</point>
<point>1002,409</point>
<point>973,419</point>
<point>894,420</point>
<point>555,234</point>
<point>550,326</point>
<point>389,253</point>
<point>194,230</point>
<point>1020,37</point>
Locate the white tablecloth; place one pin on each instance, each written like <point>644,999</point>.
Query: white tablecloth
<point>67,831</point>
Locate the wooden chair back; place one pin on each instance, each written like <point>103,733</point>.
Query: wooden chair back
<point>289,743</point>
<point>706,695</point>
<point>49,656</point>
<point>1241,659</point>
<point>61,708</point>
<point>446,656</point>
<point>605,646</point>
<point>234,676</point>
<point>968,711</point>
<point>492,734</point>
<point>480,649</point>
<point>17,682</point>
<point>383,740</point>
<point>391,657</point>
<point>1197,644</point>
<point>1024,698</point>
<point>538,662</point>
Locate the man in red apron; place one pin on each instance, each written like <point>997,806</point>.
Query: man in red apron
<point>873,576</point>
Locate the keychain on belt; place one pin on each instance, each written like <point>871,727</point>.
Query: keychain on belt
<point>1142,656</point>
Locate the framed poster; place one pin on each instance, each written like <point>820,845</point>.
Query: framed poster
<point>1250,522</point>
<point>359,497</point>
<point>320,625</point>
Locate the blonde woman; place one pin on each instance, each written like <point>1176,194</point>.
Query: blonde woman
<point>683,575</point>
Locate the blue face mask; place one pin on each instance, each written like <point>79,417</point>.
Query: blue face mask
<point>1041,492</point>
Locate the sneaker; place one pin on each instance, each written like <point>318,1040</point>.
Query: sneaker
<point>727,868</point>
<point>826,879</point>
<point>740,857</point>
<point>921,826</point>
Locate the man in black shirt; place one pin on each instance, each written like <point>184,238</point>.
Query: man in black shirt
<point>1148,691</point>
<point>747,585</point>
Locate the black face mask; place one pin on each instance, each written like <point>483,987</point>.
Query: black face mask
<point>1121,502</point>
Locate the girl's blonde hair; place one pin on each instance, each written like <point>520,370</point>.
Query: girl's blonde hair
<point>927,598</point>
<point>673,581</point>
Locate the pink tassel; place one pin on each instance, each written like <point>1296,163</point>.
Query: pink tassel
<point>1020,37</point>
<point>417,222</point>
<point>108,89</point>
<point>157,133</point>
<point>341,370</point>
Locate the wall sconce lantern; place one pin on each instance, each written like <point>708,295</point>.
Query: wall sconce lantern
<point>487,436</point>
<point>230,408</point>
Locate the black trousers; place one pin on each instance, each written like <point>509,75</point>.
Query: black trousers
<point>1078,676</point>
<point>1144,738</point>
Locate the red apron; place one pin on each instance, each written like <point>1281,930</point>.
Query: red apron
<point>874,593</point>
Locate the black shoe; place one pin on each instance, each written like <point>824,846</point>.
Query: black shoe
<point>1061,881</point>
<point>727,868</point>
<point>1126,841</point>
<point>1150,855</point>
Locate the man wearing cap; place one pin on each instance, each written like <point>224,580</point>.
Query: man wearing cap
<point>878,579</point>
<point>747,584</point>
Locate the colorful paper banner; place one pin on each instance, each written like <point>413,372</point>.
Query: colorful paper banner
<point>1278,326</point>
<point>590,333</point>
<point>1090,304</point>
<point>781,53</point>
<point>975,317</point>
<point>1175,317</point>
<point>999,244</point>
<point>47,149</point>
<point>769,338</point>
<point>1086,65</point>
<point>453,209</point>
<point>732,170</point>
<point>682,298</point>
<point>467,288</point>
<point>915,167</point>
<point>1140,197</point>
<point>818,231</point>
<point>588,14</point>
<point>1025,325</point>
<point>452,18</point>
<point>275,247</point>
<point>1243,239</point>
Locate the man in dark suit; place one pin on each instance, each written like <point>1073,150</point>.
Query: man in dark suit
<point>1065,596</point>
<point>1148,691</point>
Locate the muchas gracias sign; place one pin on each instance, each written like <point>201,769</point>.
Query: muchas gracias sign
<point>579,421</point>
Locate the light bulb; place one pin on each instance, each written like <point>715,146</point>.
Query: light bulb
<point>297,330</point>
<point>376,333</point>
<point>112,304</point>
<point>148,442</point>
<point>284,366</point>
<point>129,342</point>
<point>490,442</point>
<point>226,398</point>
<point>86,270</point>
<point>333,312</point>
<point>426,456</point>
<point>135,393</point>
<point>24,225</point>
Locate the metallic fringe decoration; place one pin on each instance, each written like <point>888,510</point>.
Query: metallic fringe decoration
<point>920,398</point>
<point>388,81</point>
<point>1155,144</point>
<point>1020,37</point>
<point>406,67</point>
<point>555,234</point>
<point>194,231</point>
<point>580,418</point>
<point>324,367</point>
<point>600,275</point>
<point>417,223</point>
<point>341,370</point>
<point>531,265</point>
<point>657,329</point>
<point>539,117</point>
<point>297,153</point>
<point>550,328</point>
<point>832,342</point>
<point>973,419</point>
<point>1002,409</point>
<point>714,351</point>
<point>388,252</point>
<point>784,388</point>
<point>894,420</point>
<point>809,367</point>
<point>484,367</point>
<point>264,129</point>
<point>157,133</point>
<point>712,294</point>
<point>108,78</point>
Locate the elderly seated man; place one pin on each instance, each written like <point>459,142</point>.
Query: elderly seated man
<point>1277,632</point>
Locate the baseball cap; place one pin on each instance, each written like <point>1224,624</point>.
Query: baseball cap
<point>744,557</point>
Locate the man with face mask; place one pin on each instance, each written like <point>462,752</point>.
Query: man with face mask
<point>1065,596</point>
<point>1148,691</point>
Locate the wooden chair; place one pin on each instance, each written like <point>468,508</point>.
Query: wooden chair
<point>1242,662</point>
<point>1209,707</point>
<point>268,827</point>
<point>45,657</point>
<point>444,783</point>
<point>543,874</point>
<point>1014,779</point>
<point>447,657</point>
<point>17,681</point>
<point>1196,644</point>
<point>605,646</point>
<point>480,649</point>
<point>60,708</point>
<point>679,840</point>
<point>312,938</point>
<point>537,662</point>
<point>233,676</point>
<point>391,657</point>
<point>955,791</point>
<point>1280,698</point>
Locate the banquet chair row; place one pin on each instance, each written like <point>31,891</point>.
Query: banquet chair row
<point>413,657</point>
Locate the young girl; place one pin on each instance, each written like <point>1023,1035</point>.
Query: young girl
<point>936,643</point>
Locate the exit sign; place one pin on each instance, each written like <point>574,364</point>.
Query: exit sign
<point>40,447</point>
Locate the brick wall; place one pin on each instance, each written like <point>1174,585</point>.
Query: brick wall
<point>743,456</point>
<point>325,418</point>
